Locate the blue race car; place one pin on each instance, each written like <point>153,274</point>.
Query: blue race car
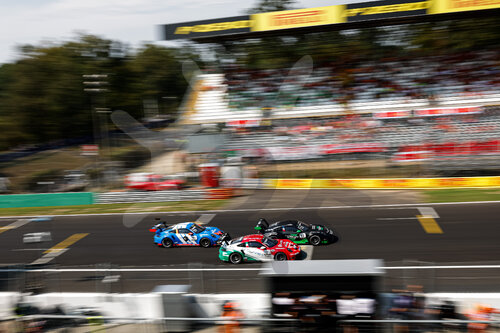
<point>187,234</point>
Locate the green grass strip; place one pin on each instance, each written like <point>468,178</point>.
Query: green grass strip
<point>459,195</point>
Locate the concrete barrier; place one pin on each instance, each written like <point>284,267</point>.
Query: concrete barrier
<point>46,199</point>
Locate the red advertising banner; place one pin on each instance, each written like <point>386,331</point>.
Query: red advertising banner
<point>447,111</point>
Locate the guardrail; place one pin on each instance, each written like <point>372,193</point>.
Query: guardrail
<point>72,323</point>
<point>310,324</point>
<point>156,196</point>
<point>204,278</point>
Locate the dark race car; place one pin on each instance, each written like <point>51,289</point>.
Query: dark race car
<point>297,231</point>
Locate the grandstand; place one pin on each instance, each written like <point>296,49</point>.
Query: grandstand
<point>418,93</point>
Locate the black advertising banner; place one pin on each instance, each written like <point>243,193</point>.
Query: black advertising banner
<point>385,9</point>
<point>207,28</point>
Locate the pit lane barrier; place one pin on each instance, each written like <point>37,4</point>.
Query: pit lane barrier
<point>113,307</point>
<point>386,183</point>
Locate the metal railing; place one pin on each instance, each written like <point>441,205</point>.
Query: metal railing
<point>72,323</point>
<point>204,278</point>
<point>155,196</point>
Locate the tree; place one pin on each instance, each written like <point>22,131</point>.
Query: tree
<point>271,6</point>
<point>157,73</point>
<point>42,95</point>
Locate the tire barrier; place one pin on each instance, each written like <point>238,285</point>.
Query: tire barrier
<point>220,193</point>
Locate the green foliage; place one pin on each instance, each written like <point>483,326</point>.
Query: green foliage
<point>131,157</point>
<point>271,6</point>
<point>51,175</point>
<point>347,46</point>
<point>42,95</point>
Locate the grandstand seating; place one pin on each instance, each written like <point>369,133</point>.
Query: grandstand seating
<point>405,110</point>
<point>385,85</point>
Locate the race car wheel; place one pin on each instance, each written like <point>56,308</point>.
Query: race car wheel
<point>314,240</point>
<point>205,242</point>
<point>235,258</point>
<point>280,256</point>
<point>167,242</point>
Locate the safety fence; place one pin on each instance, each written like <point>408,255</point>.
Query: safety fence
<point>206,279</point>
<point>75,323</point>
<point>155,196</point>
<point>301,322</point>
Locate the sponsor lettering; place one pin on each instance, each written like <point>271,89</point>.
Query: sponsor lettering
<point>394,182</point>
<point>219,26</point>
<point>452,182</point>
<point>473,3</point>
<point>293,183</point>
<point>311,16</point>
<point>402,7</point>
<point>332,183</point>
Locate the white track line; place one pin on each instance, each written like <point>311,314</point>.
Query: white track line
<point>428,212</point>
<point>75,270</point>
<point>49,257</point>
<point>442,267</point>
<point>66,270</point>
<point>19,223</point>
<point>389,206</point>
<point>395,218</point>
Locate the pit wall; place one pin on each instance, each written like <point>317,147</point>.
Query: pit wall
<point>149,305</point>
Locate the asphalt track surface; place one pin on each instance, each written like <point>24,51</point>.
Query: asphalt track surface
<point>470,236</point>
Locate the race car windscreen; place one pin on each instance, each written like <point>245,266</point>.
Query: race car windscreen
<point>236,240</point>
<point>268,242</point>
<point>197,228</point>
<point>303,226</point>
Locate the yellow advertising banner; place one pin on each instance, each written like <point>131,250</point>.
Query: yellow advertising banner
<point>294,183</point>
<point>388,183</point>
<point>450,6</point>
<point>355,12</point>
<point>297,18</point>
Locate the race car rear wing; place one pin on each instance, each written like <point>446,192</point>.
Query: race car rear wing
<point>262,225</point>
<point>162,226</point>
<point>225,238</point>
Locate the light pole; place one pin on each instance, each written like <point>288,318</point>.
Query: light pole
<point>103,114</point>
<point>95,84</point>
